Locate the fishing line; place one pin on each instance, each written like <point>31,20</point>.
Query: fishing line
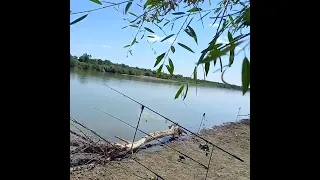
<point>75,121</point>
<point>177,124</point>
<point>203,117</point>
<point>166,145</point>
<point>135,133</point>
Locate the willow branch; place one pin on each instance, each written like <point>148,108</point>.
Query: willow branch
<point>113,4</point>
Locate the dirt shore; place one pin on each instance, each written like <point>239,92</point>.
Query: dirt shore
<point>233,137</point>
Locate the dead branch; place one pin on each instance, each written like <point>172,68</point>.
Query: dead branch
<point>84,150</point>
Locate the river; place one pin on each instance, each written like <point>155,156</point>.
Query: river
<point>87,92</point>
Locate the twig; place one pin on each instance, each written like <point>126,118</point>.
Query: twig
<point>167,53</point>
<point>242,48</point>
<point>76,134</point>
<point>82,133</point>
<point>221,19</point>
<point>114,4</point>
<point>72,119</point>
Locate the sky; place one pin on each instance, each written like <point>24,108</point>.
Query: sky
<point>101,35</point>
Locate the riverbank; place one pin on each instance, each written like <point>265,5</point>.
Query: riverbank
<point>150,78</point>
<point>233,137</point>
<point>107,66</point>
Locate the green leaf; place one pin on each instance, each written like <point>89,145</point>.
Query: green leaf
<point>79,19</point>
<point>224,25</point>
<point>231,57</point>
<point>172,26</point>
<point>165,23</point>
<point>146,120</point>
<point>173,49</point>
<point>231,20</point>
<point>159,21</point>
<point>230,38</point>
<point>159,58</point>
<point>134,41</point>
<point>133,14</point>
<point>127,7</point>
<point>159,70</point>
<point>150,36</point>
<point>169,69</point>
<point>217,10</point>
<point>133,25</point>
<point>167,37</point>
<point>195,74</point>
<point>186,47</point>
<point>220,63</point>
<point>245,75</point>
<point>207,67</point>
<point>148,29</point>
<point>193,34</point>
<point>142,36</point>
<point>96,1</point>
<point>185,94</point>
<point>126,46</point>
<point>171,64</point>
<point>202,56</point>
<point>215,53</point>
<point>247,17</point>
<point>195,10</point>
<point>179,92</point>
<point>178,13</point>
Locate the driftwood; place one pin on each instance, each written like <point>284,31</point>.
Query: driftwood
<point>84,151</point>
<point>173,130</point>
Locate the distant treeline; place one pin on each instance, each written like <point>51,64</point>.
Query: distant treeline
<point>87,63</point>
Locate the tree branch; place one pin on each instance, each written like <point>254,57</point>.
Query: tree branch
<point>234,41</point>
<point>113,4</point>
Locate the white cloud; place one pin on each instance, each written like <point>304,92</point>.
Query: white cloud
<point>213,25</point>
<point>157,38</point>
<point>222,40</point>
<point>106,46</point>
<point>154,39</point>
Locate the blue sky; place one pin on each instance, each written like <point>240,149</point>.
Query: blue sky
<point>100,35</point>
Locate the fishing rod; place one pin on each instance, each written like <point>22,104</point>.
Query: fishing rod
<point>75,121</point>
<point>203,117</point>
<point>176,124</point>
<point>166,145</point>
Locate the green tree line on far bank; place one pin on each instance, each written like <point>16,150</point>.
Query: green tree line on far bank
<point>85,62</point>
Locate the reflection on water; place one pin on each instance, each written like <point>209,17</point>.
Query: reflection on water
<point>88,93</point>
